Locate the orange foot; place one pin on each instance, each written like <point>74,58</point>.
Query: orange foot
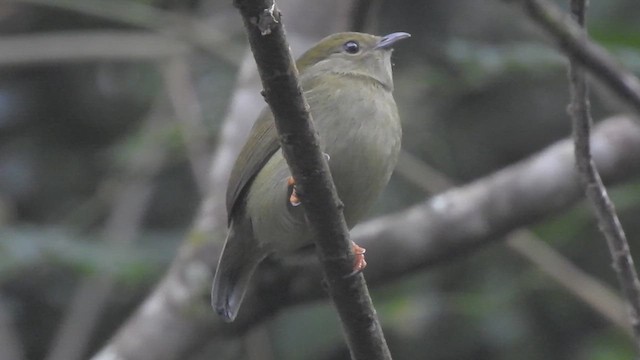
<point>294,200</point>
<point>359,264</point>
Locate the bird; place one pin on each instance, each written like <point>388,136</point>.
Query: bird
<point>347,81</point>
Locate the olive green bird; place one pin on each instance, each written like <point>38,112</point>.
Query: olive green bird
<point>348,84</point>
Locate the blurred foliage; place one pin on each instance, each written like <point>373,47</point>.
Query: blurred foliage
<point>26,246</point>
<point>478,88</point>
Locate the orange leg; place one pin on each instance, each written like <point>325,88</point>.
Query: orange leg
<point>359,264</point>
<point>294,200</point>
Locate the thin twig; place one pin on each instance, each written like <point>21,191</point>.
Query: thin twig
<point>74,46</point>
<point>421,174</point>
<point>593,57</point>
<point>236,125</point>
<point>598,295</point>
<point>188,112</point>
<point>323,209</point>
<point>594,188</point>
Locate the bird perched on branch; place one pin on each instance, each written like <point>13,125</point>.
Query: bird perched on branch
<point>348,84</point>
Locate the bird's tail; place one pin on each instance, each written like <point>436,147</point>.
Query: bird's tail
<point>240,257</point>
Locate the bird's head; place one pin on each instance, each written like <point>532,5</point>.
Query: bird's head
<point>352,53</point>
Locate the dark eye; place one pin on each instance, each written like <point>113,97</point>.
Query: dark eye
<point>351,47</point>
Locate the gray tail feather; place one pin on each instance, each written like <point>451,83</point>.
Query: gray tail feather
<point>238,261</point>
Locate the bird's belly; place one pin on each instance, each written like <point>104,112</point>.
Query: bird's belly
<point>359,173</point>
<point>360,170</point>
<point>277,225</point>
<point>362,159</point>
<point>362,139</point>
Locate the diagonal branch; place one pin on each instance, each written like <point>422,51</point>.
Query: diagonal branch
<point>601,297</point>
<point>322,207</point>
<point>592,183</point>
<point>450,225</point>
<point>188,112</point>
<point>588,289</point>
<point>593,57</point>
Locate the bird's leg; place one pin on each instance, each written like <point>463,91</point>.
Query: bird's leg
<point>294,199</point>
<point>359,263</point>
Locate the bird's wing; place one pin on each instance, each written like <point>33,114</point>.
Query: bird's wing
<point>255,153</point>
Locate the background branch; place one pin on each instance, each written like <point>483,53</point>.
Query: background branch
<point>461,220</point>
<point>188,112</point>
<point>322,206</point>
<point>595,190</point>
<point>600,297</point>
<point>597,60</point>
<point>534,189</point>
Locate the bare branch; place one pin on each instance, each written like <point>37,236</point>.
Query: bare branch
<point>599,296</point>
<point>482,212</point>
<point>186,106</point>
<point>464,219</point>
<point>322,207</point>
<point>429,179</point>
<point>592,183</point>
<point>456,222</point>
<point>586,288</point>
<point>593,57</point>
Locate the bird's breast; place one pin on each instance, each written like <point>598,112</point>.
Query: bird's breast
<point>361,133</point>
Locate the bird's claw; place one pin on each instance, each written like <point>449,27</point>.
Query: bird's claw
<point>359,262</point>
<point>294,199</point>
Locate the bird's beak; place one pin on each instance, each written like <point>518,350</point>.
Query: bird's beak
<point>388,40</point>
